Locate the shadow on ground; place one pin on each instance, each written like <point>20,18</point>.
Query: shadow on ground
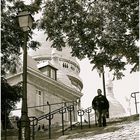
<point>76,132</point>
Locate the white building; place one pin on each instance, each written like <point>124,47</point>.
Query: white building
<point>115,108</point>
<point>52,77</point>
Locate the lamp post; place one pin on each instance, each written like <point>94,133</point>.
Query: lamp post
<point>102,73</point>
<point>25,23</point>
<point>103,76</point>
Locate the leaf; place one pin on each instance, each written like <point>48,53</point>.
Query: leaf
<point>90,27</point>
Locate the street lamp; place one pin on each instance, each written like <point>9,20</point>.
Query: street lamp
<point>25,22</point>
<point>103,76</point>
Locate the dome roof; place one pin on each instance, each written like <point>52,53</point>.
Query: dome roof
<point>62,77</point>
<point>45,50</point>
<point>59,59</point>
<point>31,63</point>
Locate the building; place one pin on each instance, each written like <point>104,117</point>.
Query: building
<point>52,79</point>
<point>115,108</point>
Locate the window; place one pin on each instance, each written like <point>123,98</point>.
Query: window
<point>47,72</point>
<point>39,100</point>
<point>73,68</point>
<point>65,65</point>
<point>52,73</point>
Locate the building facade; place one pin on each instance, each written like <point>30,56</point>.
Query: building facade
<point>115,107</point>
<point>52,82</point>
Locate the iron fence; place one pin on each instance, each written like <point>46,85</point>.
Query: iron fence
<point>134,95</point>
<point>66,107</point>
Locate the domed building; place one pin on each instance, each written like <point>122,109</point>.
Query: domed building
<point>115,108</point>
<point>52,81</point>
<point>68,68</point>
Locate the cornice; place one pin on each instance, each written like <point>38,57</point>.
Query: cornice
<point>54,83</point>
<point>40,58</point>
<point>43,77</point>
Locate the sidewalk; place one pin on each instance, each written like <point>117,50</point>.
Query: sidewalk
<point>125,128</point>
<point>118,131</point>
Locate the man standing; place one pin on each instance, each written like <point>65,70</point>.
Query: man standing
<point>101,106</point>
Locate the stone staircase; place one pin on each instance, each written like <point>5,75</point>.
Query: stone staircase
<point>76,129</point>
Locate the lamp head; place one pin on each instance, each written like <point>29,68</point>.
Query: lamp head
<point>25,20</point>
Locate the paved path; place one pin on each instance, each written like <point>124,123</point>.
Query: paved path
<point>121,131</point>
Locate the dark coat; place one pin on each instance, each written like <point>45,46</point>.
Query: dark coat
<point>100,102</point>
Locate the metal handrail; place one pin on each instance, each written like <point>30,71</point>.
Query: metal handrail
<point>49,116</point>
<point>63,109</point>
<point>133,95</point>
<point>53,112</point>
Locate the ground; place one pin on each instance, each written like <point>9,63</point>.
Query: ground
<point>126,128</point>
<point>118,131</point>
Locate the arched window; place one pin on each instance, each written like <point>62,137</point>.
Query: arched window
<point>65,65</point>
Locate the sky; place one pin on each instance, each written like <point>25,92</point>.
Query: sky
<point>122,88</point>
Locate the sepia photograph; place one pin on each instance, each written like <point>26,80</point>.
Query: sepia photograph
<point>70,70</point>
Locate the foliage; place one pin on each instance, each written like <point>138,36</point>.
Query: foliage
<point>11,35</point>
<point>104,31</point>
<point>10,96</point>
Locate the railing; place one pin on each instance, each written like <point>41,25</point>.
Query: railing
<point>134,95</point>
<point>81,112</point>
<point>67,107</point>
<point>49,116</point>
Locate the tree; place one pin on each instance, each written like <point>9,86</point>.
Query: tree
<point>10,96</point>
<point>104,31</point>
<point>12,41</point>
<point>12,36</point>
